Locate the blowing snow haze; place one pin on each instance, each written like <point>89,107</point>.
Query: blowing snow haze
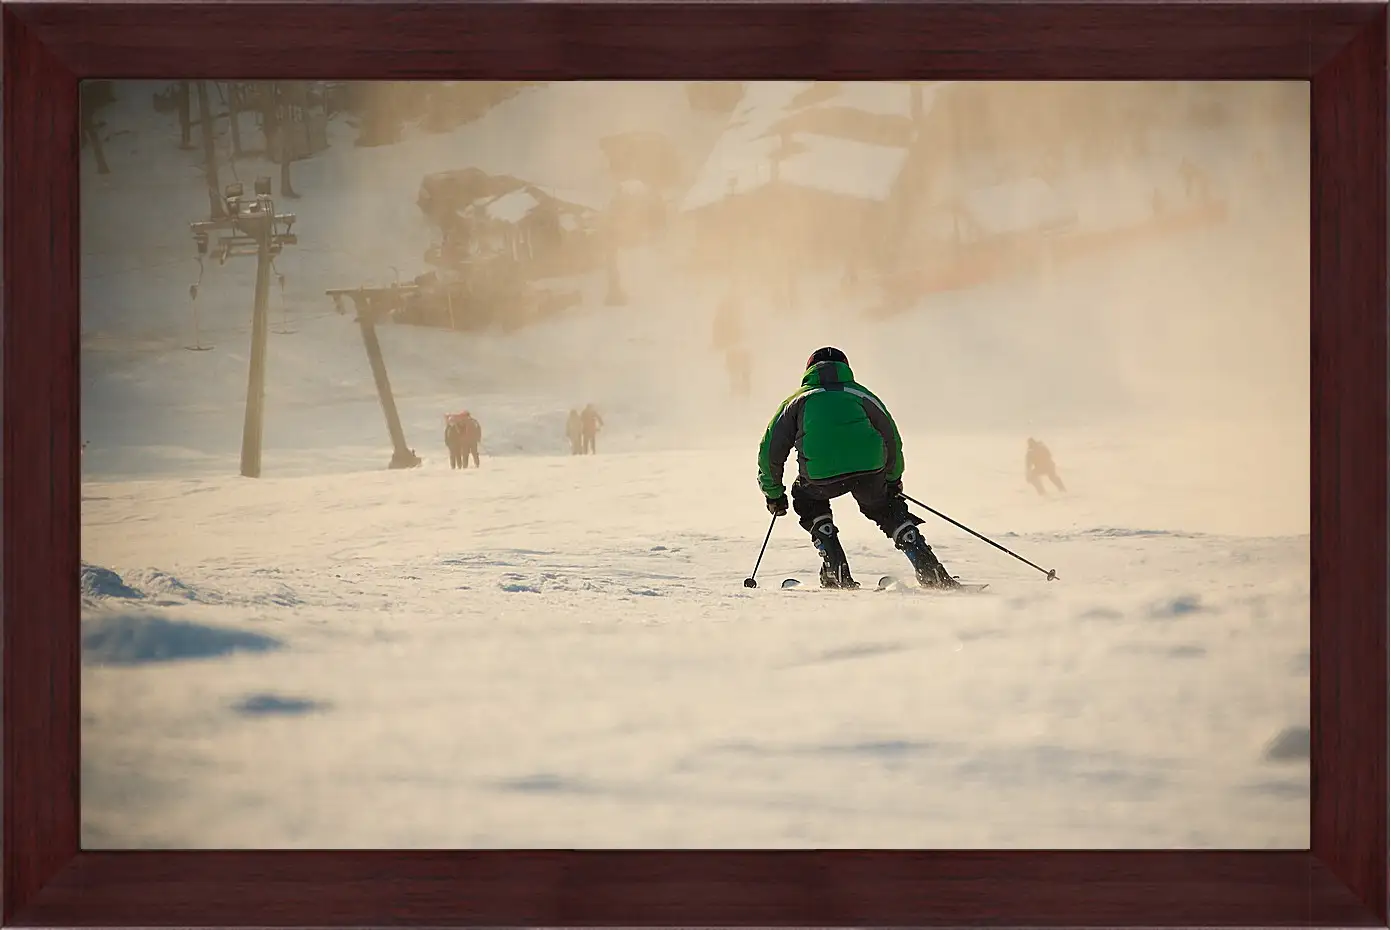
<point>554,640</point>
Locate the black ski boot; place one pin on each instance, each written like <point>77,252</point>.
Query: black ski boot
<point>835,568</point>
<point>931,573</point>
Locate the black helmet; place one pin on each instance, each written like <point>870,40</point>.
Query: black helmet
<point>827,354</point>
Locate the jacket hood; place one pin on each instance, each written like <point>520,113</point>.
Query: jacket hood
<point>824,373</point>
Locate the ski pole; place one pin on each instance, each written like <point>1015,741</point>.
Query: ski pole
<point>749,582</point>
<point>1050,573</point>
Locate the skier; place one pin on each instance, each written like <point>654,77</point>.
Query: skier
<point>573,432</point>
<point>590,424</point>
<point>454,439</point>
<point>1038,464</point>
<point>846,442</point>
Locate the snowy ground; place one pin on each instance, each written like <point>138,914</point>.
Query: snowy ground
<point>556,651</point>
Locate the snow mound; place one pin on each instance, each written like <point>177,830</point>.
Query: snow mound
<point>159,584</point>
<point>99,584</point>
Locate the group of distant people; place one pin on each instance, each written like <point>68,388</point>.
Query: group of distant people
<point>463,435</point>
<point>581,427</point>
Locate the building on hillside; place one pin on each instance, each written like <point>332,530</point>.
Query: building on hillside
<point>1005,177</point>
<point>481,216</point>
<point>923,184</point>
<point>811,173</point>
<point>499,235</point>
<point>805,173</point>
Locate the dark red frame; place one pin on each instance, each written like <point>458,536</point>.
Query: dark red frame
<point>1341,47</point>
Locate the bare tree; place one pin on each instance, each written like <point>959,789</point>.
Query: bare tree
<point>185,103</point>
<point>206,122</point>
<point>288,95</point>
<point>233,93</point>
<point>278,125</point>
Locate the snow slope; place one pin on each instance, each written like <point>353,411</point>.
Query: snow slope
<point>556,651</point>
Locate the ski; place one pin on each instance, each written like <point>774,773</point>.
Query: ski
<point>890,581</point>
<point>887,582</point>
<point>794,583</point>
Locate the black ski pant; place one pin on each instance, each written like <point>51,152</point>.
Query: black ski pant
<point>473,451</point>
<point>456,456</point>
<point>811,501</point>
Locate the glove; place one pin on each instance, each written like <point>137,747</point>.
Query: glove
<point>777,506</point>
<point>896,487</point>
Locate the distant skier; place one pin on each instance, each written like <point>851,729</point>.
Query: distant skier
<point>590,424</point>
<point>1038,464</point>
<point>574,432</point>
<point>846,442</point>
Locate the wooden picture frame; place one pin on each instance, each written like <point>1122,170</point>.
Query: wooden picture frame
<point>1340,47</point>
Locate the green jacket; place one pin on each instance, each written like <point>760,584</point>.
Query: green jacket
<point>838,428</point>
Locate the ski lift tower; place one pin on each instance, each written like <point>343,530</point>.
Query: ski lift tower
<point>251,227</point>
<point>372,304</point>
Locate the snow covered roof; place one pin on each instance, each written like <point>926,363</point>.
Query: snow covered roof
<point>741,160</point>
<point>735,166</point>
<point>843,166</point>
<point>517,204</point>
<point>513,207</point>
<point>763,104</point>
<point>594,198</point>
